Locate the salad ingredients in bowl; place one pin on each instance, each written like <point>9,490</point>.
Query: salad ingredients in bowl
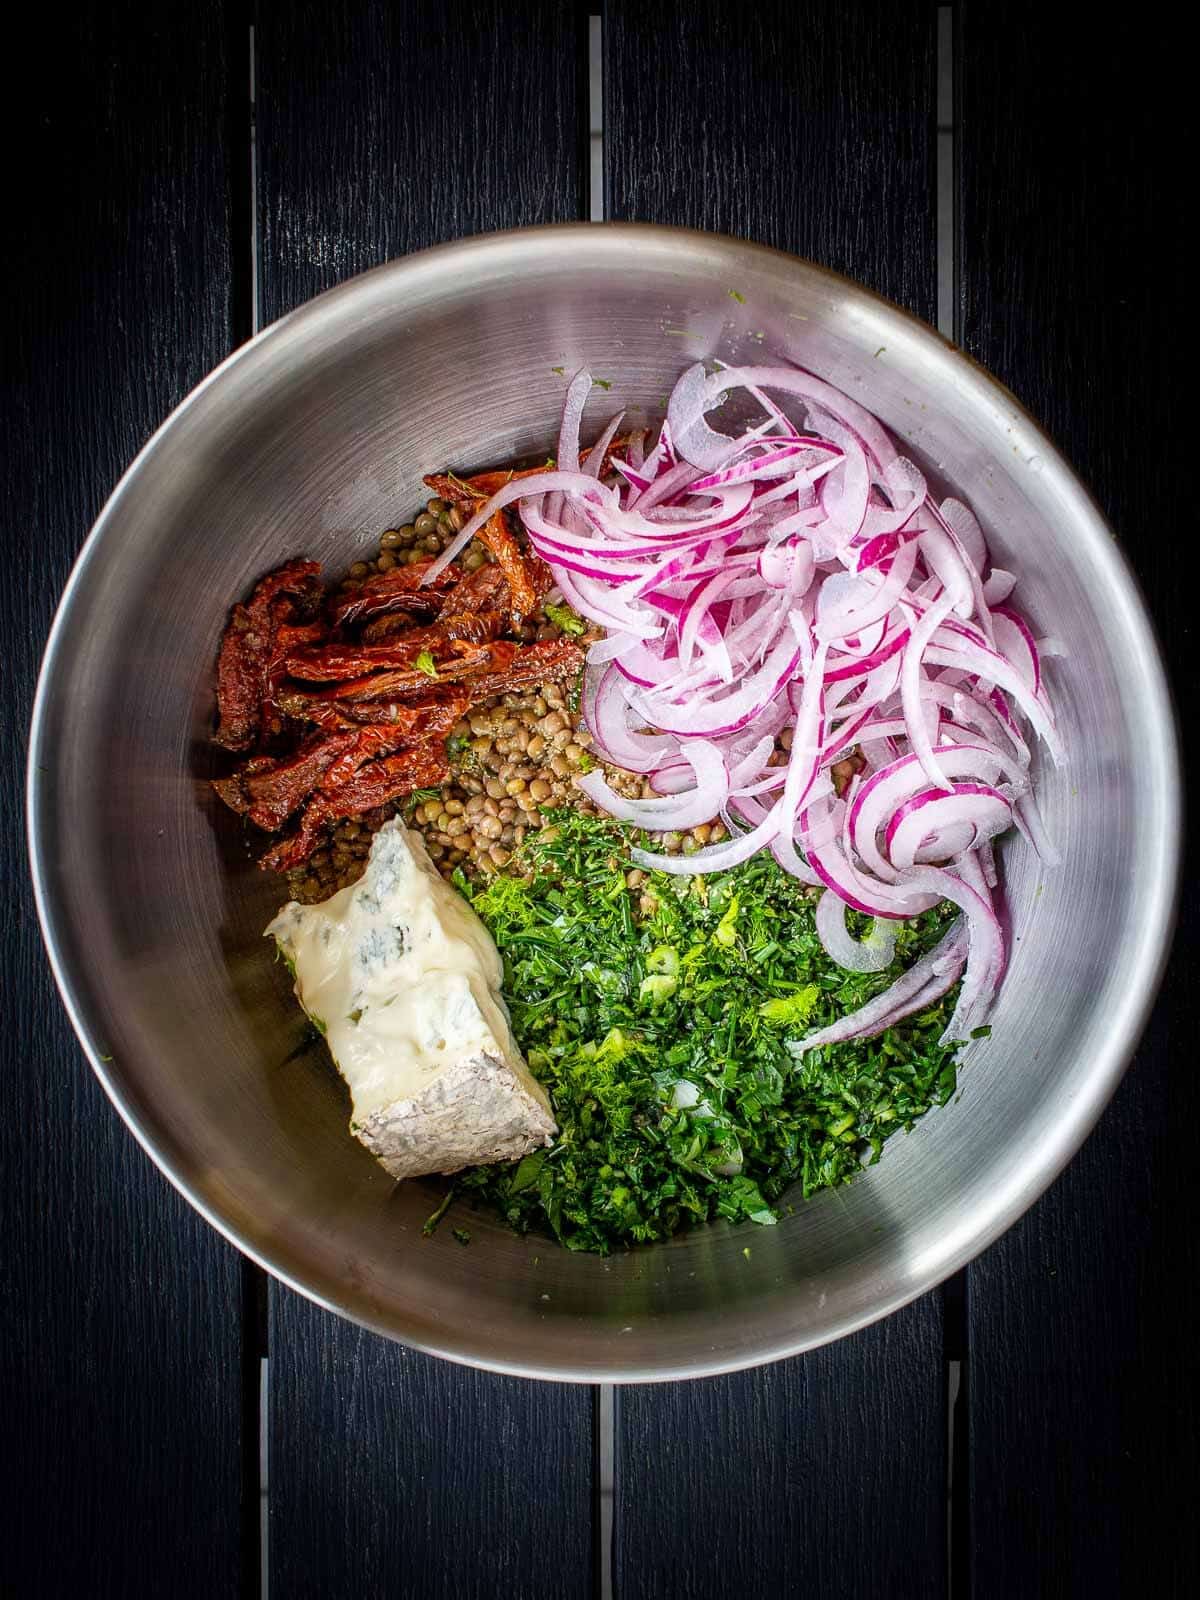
<point>750,908</point>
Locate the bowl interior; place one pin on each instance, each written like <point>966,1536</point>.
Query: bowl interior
<point>311,441</point>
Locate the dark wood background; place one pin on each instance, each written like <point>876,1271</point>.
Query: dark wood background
<point>140,240</point>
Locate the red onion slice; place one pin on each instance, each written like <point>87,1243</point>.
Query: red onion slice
<point>985,947</point>
<point>870,954</point>
<point>685,810</point>
<point>925,982</point>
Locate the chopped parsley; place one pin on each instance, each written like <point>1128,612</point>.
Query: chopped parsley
<point>418,797</point>
<point>426,664</point>
<point>564,618</point>
<point>659,1020</point>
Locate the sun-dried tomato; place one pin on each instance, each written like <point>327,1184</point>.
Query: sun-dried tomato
<point>247,659</point>
<point>401,589</point>
<point>378,783</point>
<point>439,641</point>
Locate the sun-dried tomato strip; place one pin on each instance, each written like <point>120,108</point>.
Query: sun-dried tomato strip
<point>484,590</point>
<point>275,795</point>
<point>386,684</point>
<point>552,661</point>
<point>233,788</point>
<point>428,715</point>
<point>246,657</point>
<point>500,540</point>
<point>440,641</point>
<point>398,590</point>
<point>375,784</point>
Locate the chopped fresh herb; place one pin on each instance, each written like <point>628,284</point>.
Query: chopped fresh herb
<point>282,955</point>
<point>432,1221</point>
<point>587,761</point>
<point>659,986</point>
<point>355,1016</point>
<point>659,1021</point>
<point>419,796</point>
<point>564,618</point>
<point>460,1235</point>
<point>792,1010</point>
<point>740,298</point>
<point>426,664</point>
<point>880,351</point>
<point>318,1023</point>
<point>558,372</point>
<point>602,383</point>
<point>982,1033</point>
<point>105,1058</point>
<point>458,749</point>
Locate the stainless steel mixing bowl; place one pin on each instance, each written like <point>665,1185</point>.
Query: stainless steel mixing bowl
<point>312,439</point>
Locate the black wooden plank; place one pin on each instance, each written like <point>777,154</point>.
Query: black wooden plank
<point>119,1307</point>
<point>383,129</point>
<point>809,128</point>
<point>1083,1368</point>
<point>395,1474</point>
<point>821,1476</point>
<point>387,128</point>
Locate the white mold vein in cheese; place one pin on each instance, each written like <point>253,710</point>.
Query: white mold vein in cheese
<point>403,980</point>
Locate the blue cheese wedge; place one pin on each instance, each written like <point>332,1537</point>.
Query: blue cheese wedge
<point>403,980</point>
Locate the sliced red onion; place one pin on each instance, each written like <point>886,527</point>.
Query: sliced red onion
<point>799,578</point>
<point>925,982</point>
<point>911,683</point>
<point>998,586</point>
<point>606,713</point>
<point>873,953</point>
<point>850,603</point>
<point>861,893</point>
<point>596,455</point>
<point>985,947</point>
<point>885,793</point>
<point>1029,820</point>
<point>578,390</point>
<point>933,827</point>
<point>686,810</point>
<point>1014,637</point>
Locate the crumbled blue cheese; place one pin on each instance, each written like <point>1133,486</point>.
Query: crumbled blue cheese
<point>403,980</point>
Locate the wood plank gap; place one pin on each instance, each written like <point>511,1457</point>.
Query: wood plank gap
<point>955,1353</point>
<point>239,134</point>
<point>253,1363</point>
<point>595,104</point>
<point>945,175</point>
<point>605,1429</point>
